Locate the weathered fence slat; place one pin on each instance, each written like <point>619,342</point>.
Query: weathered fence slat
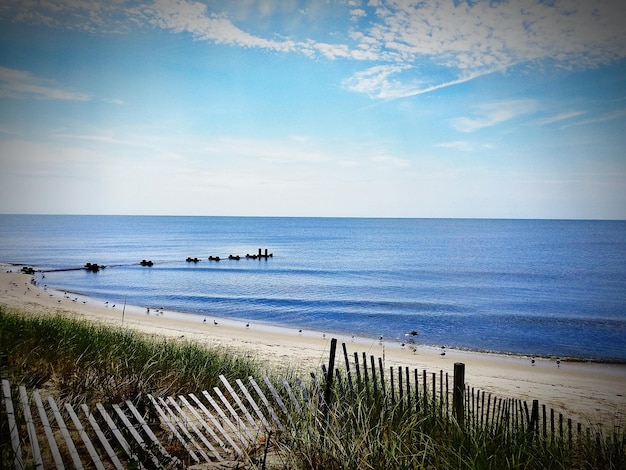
<point>103,440</point>
<point>178,425</point>
<point>358,372</point>
<point>66,435</point>
<point>201,420</point>
<point>305,395</point>
<point>382,377</point>
<point>316,389</point>
<point>114,429</point>
<point>239,402</point>
<point>434,391</point>
<point>253,404</point>
<point>52,443</point>
<point>182,421</point>
<point>373,365</point>
<point>348,373</point>
<point>95,458</point>
<point>233,413</point>
<point>425,393</point>
<point>276,396</point>
<point>223,416</point>
<point>217,424</point>
<point>15,437</point>
<point>185,420</point>
<point>417,389</point>
<point>134,432</point>
<point>30,428</point>
<point>265,401</point>
<point>400,387</point>
<point>292,397</point>
<point>408,387</point>
<point>146,428</point>
<point>366,380</point>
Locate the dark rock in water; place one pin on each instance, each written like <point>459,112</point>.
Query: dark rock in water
<point>94,267</point>
<point>146,263</point>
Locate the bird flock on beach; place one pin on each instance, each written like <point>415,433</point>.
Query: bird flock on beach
<point>161,311</point>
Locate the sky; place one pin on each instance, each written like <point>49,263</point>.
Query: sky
<point>347,108</point>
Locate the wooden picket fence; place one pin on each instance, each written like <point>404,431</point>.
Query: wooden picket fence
<point>439,394</point>
<point>170,432</point>
<point>229,422</point>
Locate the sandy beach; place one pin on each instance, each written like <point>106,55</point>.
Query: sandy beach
<point>587,392</point>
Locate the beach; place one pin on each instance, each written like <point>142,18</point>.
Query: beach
<point>587,392</point>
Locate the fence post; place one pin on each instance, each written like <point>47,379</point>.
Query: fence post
<point>534,418</point>
<point>331,370</point>
<point>459,387</point>
<point>345,355</point>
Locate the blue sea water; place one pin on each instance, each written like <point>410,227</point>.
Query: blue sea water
<point>536,287</point>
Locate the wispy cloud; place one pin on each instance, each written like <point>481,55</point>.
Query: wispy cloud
<point>561,117</point>
<point>400,40</point>
<point>610,116</point>
<point>22,84</point>
<point>494,113</point>
<point>460,145</point>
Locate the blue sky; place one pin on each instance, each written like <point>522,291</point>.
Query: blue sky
<point>325,108</point>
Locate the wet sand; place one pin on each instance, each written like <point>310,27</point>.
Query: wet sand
<point>587,392</point>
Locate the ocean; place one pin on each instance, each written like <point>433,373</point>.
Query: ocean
<point>552,288</point>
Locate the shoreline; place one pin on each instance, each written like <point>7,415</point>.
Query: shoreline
<point>586,391</point>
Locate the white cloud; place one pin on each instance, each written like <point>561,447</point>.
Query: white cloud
<point>481,37</point>
<point>21,84</point>
<point>376,82</point>
<point>357,13</point>
<point>561,117</point>
<point>460,145</point>
<point>469,39</point>
<point>494,113</point>
<point>610,116</point>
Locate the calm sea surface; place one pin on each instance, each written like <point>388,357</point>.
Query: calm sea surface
<point>537,287</point>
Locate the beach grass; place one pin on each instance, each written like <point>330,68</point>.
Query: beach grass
<point>86,362</point>
<point>98,362</point>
